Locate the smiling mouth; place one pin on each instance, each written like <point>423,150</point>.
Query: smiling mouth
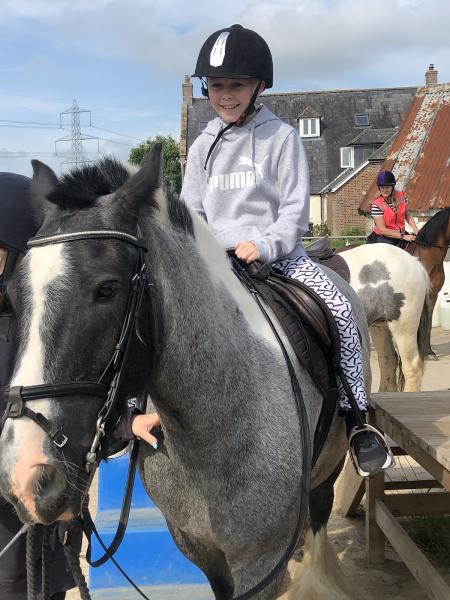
<point>229,106</point>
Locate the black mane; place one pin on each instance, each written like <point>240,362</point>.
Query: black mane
<point>434,226</point>
<point>82,186</point>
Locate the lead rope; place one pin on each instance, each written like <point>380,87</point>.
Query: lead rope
<point>73,560</point>
<point>46,562</point>
<point>32,556</point>
<point>31,559</point>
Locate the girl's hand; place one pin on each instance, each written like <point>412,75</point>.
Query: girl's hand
<point>247,251</point>
<point>409,237</point>
<point>141,426</point>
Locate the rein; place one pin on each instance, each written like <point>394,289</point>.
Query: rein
<point>246,280</point>
<point>427,245</point>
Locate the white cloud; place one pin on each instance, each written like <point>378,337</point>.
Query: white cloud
<point>314,40</point>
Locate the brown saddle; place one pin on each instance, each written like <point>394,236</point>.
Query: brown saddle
<point>322,253</point>
<point>310,328</point>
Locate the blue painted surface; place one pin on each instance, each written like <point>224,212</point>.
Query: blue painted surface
<point>148,553</point>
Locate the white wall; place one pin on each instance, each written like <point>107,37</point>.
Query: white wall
<point>314,210</point>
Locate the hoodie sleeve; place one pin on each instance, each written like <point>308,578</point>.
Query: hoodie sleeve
<point>291,224</point>
<point>192,192</point>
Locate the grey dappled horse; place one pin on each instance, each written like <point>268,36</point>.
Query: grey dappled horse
<point>228,474</point>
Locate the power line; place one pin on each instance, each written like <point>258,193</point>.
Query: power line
<point>9,123</point>
<point>26,154</point>
<point>117,133</point>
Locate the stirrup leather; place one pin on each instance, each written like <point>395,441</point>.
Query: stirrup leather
<point>356,431</point>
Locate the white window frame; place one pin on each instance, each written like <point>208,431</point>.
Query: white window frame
<point>349,164</point>
<point>305,127</point>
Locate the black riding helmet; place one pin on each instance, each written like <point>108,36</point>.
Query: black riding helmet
<point>235,53</point>
<point>17,221</point>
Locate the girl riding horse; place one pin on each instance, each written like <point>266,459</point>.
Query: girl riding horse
<point>390,212</point>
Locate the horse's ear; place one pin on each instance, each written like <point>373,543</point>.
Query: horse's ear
<point>43,182</point>
<point>141,189</point>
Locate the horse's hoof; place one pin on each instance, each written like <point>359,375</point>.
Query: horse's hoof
<point>432,356</point>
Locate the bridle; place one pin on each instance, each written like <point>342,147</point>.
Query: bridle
<point>109,383</point>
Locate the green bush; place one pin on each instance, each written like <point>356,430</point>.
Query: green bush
<point>355,230</point>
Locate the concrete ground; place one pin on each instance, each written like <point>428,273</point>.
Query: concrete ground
<point>392,580</point>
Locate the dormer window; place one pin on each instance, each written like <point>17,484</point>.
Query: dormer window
<point>309,123</point>
<point>309,127</point>
<point>347,157</point>
<point>362,120</point>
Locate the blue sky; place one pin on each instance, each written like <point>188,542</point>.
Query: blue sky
<point>125,61</point>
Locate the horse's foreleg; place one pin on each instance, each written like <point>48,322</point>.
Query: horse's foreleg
<point>319,575</point>
<point>387,357</point>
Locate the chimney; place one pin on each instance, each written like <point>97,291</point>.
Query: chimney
<point>431,76</point>
<point>187,88</point>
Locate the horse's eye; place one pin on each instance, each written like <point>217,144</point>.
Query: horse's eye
<point>106,290</point>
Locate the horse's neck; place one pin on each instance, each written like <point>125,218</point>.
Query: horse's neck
<point>213,335</point>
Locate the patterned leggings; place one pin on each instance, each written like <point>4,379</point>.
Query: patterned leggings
<point>306,271</point>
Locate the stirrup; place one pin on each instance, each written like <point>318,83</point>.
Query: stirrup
<point>360,429</point>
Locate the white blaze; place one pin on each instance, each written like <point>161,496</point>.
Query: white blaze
<point>45,263</point>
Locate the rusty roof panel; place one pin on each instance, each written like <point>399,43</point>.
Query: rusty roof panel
<point>406,126</point>
<point>429,186</point>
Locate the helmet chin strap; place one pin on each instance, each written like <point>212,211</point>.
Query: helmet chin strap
<point>239,122</point>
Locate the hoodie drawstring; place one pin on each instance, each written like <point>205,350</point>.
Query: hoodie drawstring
<point>252,150</point>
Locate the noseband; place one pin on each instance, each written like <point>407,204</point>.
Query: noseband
<point>20,395</point>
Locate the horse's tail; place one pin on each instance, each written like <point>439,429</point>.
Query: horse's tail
<point>424,330</point>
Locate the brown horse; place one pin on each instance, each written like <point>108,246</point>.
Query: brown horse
<point>430,247</point>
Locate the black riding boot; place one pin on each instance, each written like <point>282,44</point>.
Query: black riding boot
<point>368,449</point>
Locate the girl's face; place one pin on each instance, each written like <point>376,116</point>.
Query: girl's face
<point>386,190</point>
<point>230,97</point>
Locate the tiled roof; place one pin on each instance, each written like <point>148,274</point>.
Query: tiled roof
<point>420,154</point>
<point>382,152</point>
<point>372,136</point>
<point>309,113</point>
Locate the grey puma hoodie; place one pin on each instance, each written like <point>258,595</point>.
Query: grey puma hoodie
<point>255,185</point>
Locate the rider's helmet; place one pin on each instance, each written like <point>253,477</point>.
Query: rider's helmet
<point>17,221</point>
<point>385,178</point>
<point>235,53</point>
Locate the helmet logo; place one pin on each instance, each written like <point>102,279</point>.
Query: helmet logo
<point>218,50</point>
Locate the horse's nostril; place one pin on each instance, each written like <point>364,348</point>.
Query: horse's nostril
<point>48,481</point>
<point>46,475</point>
